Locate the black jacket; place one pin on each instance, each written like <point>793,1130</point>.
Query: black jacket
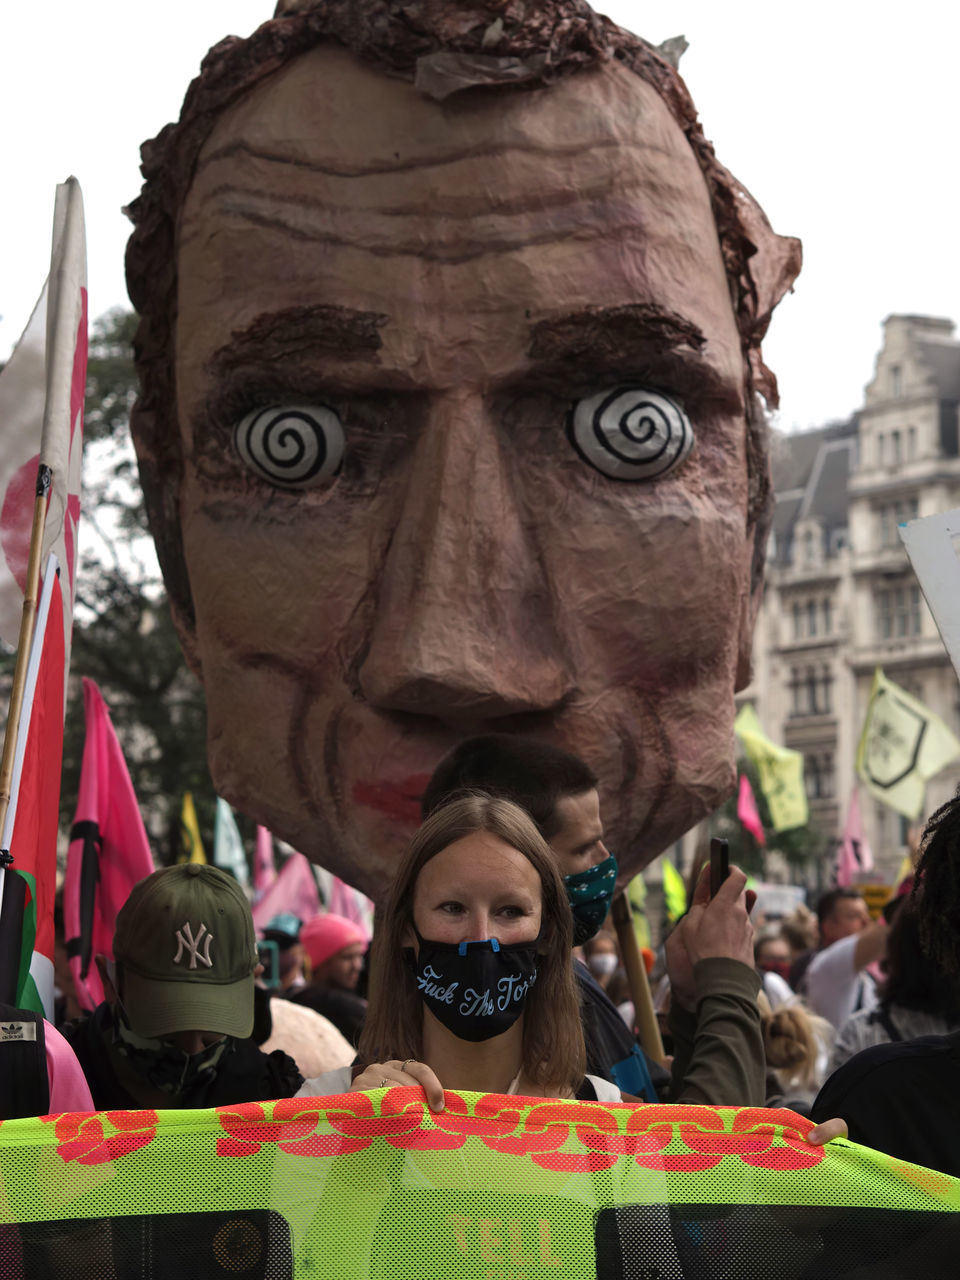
<point>244,1074</point>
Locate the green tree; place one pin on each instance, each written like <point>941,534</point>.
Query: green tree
<point>123,636</point>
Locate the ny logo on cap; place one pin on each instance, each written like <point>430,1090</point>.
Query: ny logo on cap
<point>187,942</point>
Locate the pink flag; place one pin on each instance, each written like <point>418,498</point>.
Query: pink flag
<point>294,889</point>
<point>352,905</point>
<point>264,867</point>
<point>747,810</point>
<point>854,854</point>
<point>109,851</point>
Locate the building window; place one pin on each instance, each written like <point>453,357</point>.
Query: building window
<point>797,621</point>
<point>795,688</point>
<point>896,382</point>
<point>900,618</point>
<point>811,691</point>
<point>809,547</point>
<point>811,617</point>
<point>911,442</point>
<point>826,776</point>
<point>827,616</point>
<point>884,605</point>
<point>826,685</point>
<point>887,531</point>
<point>898,612</point>
<point>896,456</point>
<point>881,440</point>
<point>811,776</point>
<point>892,515</point>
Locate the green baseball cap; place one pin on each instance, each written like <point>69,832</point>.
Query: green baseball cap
<point>187,946</point>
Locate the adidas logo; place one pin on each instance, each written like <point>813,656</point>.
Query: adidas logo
<point>17,1031</point>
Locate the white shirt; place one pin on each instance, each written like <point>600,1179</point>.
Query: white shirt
<point>834,988</point>
<point>777,990</point>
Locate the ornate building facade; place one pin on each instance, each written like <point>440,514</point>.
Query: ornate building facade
<point>841,597</point>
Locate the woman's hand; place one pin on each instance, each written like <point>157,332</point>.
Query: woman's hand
<point>380,1075</point>
<point>825,1131</point>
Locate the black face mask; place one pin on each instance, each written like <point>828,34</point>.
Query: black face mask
<point>476,989</point>
<point>166,1067</point>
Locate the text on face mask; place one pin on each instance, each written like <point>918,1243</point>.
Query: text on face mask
<point>512,987</point>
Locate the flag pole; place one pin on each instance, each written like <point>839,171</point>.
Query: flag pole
<point>11,920</point>
<point>649,1031</point>
<point>27,622</point>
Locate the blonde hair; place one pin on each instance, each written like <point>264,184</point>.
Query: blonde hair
<point>553,1049</point>
<point>792,1042</point>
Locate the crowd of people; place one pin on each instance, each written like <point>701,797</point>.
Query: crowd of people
<point>493,968</point>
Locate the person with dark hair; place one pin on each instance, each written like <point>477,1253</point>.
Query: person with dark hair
<point>283,931</point>
<point>560,793</point>
<point>771,955</point>
<point>918,998</point>
<point>449,412</point>
<point>900,1097</point>
<point>836,983</point>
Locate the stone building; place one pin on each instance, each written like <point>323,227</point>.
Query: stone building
<point>841,598</point>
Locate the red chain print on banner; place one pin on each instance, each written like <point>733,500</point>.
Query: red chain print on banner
<point>292,1127</point>
<point>760,1138</point>
<point>82,1137</point>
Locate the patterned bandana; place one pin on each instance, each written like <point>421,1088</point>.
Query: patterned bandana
<point>590,893</point>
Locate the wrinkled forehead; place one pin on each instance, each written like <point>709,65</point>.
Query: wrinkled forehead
<point>331,180</point>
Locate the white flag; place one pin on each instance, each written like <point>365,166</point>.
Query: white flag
<point>228,851</point>
<point>41,420</point>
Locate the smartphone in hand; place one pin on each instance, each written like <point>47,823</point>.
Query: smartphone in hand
<point>719,864</point>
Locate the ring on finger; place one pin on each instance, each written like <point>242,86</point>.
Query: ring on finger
<point>384,1082</point>
<point>405,1064</point>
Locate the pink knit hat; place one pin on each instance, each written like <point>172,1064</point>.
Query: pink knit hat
<point>325,935</point>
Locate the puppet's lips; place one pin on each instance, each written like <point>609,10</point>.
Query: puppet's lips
<point>397,800</point>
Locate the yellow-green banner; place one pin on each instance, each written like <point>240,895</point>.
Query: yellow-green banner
<point>373,1185</point>
<point>903,743</point>
<point>780,771</point>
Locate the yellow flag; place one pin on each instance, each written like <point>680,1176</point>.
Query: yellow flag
<point>190,841</point>
<point>637,897</point>
<point>902,745</point>
<point>780,770</point>
<point>674,891</point>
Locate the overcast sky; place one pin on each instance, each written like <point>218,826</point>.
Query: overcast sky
<point>841,122</point>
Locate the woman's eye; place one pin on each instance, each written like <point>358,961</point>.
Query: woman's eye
<point>630,433</point>
<point>292,446</point>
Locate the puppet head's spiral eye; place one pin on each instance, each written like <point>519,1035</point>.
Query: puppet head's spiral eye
<point>630,433</point>
<point>291,446</point>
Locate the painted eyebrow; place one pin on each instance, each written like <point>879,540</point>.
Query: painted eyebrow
<point>296,331</point>
<point>638,338</point>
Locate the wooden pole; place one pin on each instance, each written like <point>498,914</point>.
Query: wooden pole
<point>647,1027</point>
<point>27,621</point>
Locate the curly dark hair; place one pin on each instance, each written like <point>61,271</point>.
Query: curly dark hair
<point>516,46</point>
<point>916,979</point>
<point>936,887</point>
